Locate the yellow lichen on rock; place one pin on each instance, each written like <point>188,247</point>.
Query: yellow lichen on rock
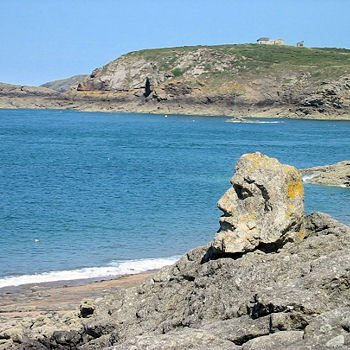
<point>264,205</point>
<point>295,189</point>
<point>300,235</point>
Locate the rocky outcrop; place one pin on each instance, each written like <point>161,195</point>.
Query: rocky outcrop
<point>19,96</point>
<point>21,90</point>
<point>294,295</point>
<point>247,80</point>
<point>64,85</point>
<point>328,97</point>
<point>331,175</point>
<point>231,80</point>
<point>265,205</point>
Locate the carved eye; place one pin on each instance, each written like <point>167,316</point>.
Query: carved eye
<point>242,193</point>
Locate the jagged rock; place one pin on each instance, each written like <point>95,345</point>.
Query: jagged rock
<point>185,339</point>
<point>87,308</point>
<point>337,174</point>
<point>329,329</point>
<point>321,223</point>
<point>264,205</point>
<point>279,340</point>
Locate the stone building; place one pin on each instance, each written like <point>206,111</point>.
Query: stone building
<point>268,41</point>
<point>279,42</point>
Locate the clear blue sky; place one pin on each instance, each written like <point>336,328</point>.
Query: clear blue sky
<point>43,40</point>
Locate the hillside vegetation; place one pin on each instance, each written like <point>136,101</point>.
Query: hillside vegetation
<point>251,59</point>
<point>229,79</point>
<point>248,80</point>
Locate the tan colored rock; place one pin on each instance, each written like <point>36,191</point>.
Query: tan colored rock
<point>264,205</point>
<point>337,174</point>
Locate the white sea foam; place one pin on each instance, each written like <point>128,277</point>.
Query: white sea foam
<point>250,121</point>
<point>307,178</point>
<point>114,269</point>
<point>268,122</point>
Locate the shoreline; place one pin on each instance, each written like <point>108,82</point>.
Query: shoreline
<point>62,296</point>
<point>71,282</point>
<point>273,113</point>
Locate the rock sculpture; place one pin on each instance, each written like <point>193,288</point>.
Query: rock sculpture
<point>264,205</point>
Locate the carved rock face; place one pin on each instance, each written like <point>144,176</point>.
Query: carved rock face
<point>264,205</point>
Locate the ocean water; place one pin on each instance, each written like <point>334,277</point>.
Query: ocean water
<point>102,194</point>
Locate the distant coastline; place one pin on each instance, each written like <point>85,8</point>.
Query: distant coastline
<point>248,80</point>
<point>63,103</point>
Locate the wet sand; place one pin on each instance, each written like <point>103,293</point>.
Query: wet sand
<point>32,300</point>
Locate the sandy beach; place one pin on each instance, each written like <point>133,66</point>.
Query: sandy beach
<point>33,300</point>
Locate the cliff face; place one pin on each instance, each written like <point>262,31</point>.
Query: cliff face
<point>248,80</point>
<point>231,79</point>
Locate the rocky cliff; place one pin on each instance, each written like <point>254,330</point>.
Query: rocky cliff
<point>290,290</point>
<point>229,79</point>
<point>248,80</point>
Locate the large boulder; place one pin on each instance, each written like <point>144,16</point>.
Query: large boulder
<point>264,205</point>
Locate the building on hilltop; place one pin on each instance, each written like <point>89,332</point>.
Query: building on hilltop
<point>300,43</point>
<point>268,41</point>
<point>279,42</point>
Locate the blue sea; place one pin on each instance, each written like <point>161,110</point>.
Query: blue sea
<point>95,195</point>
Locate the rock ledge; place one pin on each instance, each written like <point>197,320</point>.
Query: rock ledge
<point>337,174</point>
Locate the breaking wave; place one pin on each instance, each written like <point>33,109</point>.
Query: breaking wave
<point>307,178</point>
<point>114,269</point>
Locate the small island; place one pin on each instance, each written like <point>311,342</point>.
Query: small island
<point>267,79</point>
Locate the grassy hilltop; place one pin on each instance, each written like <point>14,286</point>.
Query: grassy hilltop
<point>252,59</point>
<point>250,80</point>
<point>229,79</point>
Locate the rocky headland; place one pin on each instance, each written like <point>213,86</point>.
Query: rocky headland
<point>272,278</point>
<point>64,85</point>
<point>337,174</point>
<point>18,96</point>
<point>232,80</point>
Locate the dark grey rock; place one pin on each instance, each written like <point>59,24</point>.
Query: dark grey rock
<point>87,308</point>
<point>184,339</point>
<point>280,340</point>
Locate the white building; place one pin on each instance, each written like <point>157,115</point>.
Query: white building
<point>268,41</point>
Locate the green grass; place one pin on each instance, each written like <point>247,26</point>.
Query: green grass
<point>177,72</point>
<point>249,60</point>
<point>260,54</point>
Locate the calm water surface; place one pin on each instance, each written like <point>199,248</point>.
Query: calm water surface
<point>93,194</point>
